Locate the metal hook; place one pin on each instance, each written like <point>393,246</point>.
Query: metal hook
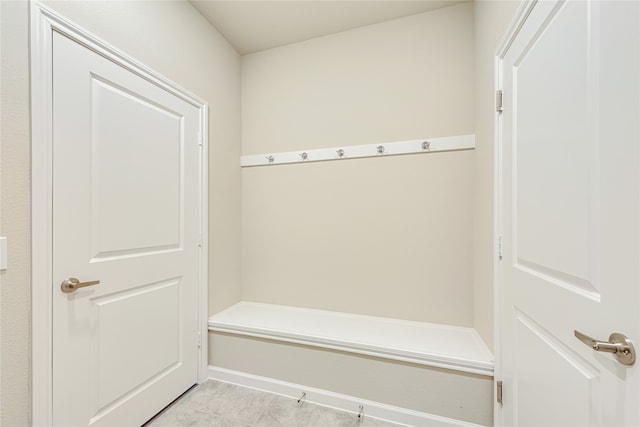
<point>304,156</point>
<point>380,149</point>
<point>302,398</point>
<point>340,152</point>
<point>271,159</point>
<point>426,145</point>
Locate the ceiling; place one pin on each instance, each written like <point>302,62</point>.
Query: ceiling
<point>252,26</point>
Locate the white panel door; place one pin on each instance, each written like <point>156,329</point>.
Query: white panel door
<point>125,212</point>
<point>570,214</point>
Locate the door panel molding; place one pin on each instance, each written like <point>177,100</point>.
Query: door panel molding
<point>44,22</point>
<point>565,211</point>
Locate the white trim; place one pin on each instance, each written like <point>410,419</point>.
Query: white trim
<point>41,220</point>
<point>415,146</point>
<point>43,22</point>
<point>497,229</point>
<point>334,400</point>
<point>444,346</point>
<point>203,276</point>
<point>521,15</point>
<point>517,22</point>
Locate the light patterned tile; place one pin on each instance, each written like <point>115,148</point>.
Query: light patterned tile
<point>183,418</point>
<point>238,405</point>
<point>285,412</point>
<point>209,396</point>
<point>217,404</point>
<point>325,417</point>
<point>374,422</point>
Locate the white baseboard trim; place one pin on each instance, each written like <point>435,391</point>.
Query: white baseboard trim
<point>333,400</point>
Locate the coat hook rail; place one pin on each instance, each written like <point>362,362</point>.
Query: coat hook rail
<point>416,146</point>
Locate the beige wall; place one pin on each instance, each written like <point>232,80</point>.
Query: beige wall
<point>492,19</point>
<point>14,214</point>
<point>381,236</point>
<point>402,79</point>
<point>171,38</point>
<point>391,236</point>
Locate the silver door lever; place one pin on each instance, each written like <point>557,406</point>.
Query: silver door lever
<point>71,284</point>
<point>619,345</point>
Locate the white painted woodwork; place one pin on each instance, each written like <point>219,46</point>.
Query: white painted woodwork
<point>144,142</point>
<point>415,387</point>
<point>415,146</point>
<point>342,402</point>
<point>569,203</point>
<point>444,346</point>
<point>126,209</point>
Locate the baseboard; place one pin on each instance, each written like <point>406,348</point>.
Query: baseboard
<point>335,400</point>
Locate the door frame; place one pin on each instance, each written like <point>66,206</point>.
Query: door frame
<point>521,15</point>
<point>43,22</point>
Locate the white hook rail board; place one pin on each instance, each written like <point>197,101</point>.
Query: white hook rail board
<point>415,146</point>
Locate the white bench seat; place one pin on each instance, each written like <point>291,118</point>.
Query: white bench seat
<point>443,346</point>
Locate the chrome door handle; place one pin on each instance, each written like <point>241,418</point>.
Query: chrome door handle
<point>71,284</point>
<point>618,344</point>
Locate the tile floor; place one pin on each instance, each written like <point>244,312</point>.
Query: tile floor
<point>214,403</point>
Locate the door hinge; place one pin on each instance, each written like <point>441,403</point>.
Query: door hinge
<point>199,339</point>
<point>200,139</point>
<point>499,392</point>
<point>499,247</point>
<point>199,240</point>
<point>499,101</point>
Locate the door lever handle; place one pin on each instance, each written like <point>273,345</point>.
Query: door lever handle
<point>72,284</point>
<point>619,345</point>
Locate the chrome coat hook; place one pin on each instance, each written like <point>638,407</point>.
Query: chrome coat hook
<point>340,153</point>
<point>304,156</point>
<point>380,149</point>
<point>426,145</point>
<point>271,159</point>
